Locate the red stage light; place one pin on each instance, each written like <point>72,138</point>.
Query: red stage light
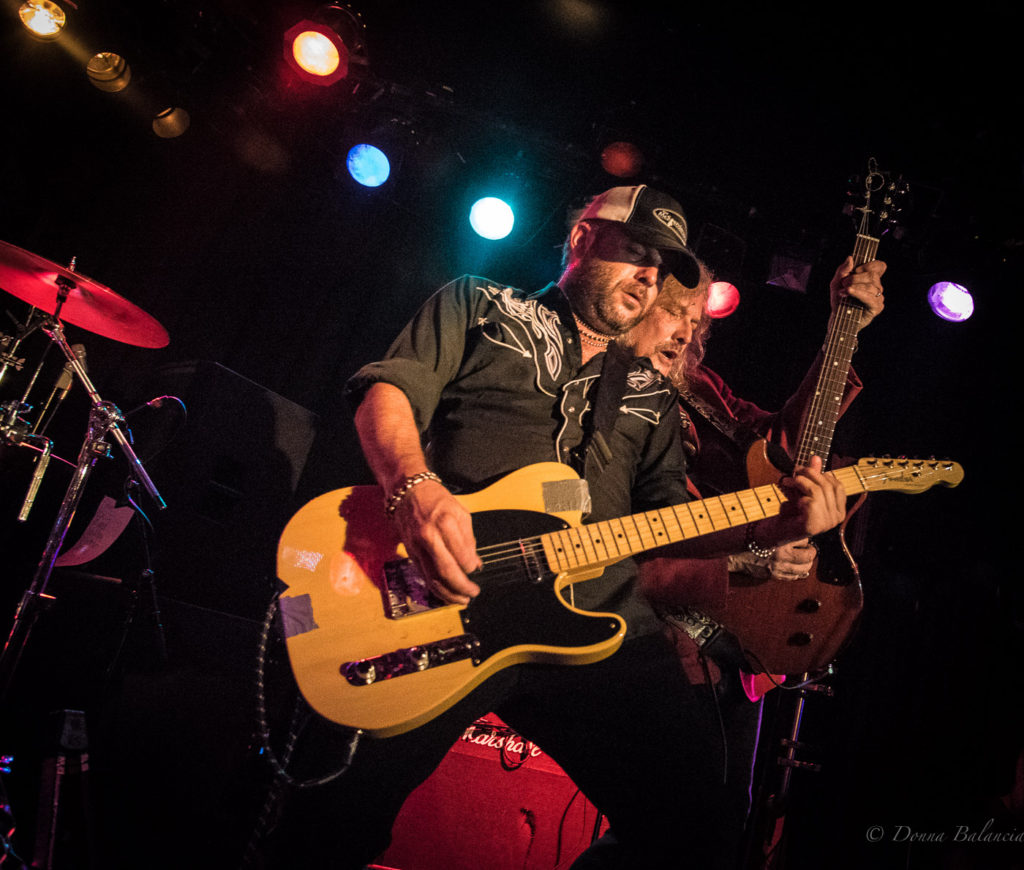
<point>723,299</point>
<point>316,52</point>
<point>622,159</point>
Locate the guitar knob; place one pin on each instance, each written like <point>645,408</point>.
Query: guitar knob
<point>418,657</point>
<point>360,673</point>
<point>800,638</point>
<point>809,605</point>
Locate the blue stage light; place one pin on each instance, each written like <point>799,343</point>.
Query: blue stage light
<point>491,218</point>
<point>368,165</point>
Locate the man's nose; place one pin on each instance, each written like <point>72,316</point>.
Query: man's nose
<point>651,271</point>
<point>649,277</point>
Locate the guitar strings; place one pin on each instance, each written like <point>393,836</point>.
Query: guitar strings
<point>508,554</point>
<point>841,330</point>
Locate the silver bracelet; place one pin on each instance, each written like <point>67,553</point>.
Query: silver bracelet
<point>756,548</point>
<point>403,488</point>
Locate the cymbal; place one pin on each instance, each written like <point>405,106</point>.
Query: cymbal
<point>89,304</point>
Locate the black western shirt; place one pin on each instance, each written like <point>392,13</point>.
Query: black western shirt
<point>496,382</point>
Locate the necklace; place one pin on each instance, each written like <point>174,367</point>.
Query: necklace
<point>590,336</point>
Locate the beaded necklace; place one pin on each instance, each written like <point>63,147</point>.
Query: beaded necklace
<point>590,336</point>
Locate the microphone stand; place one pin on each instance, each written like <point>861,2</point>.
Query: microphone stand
<point>104,420</point>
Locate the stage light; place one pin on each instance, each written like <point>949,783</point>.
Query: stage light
<point>951,301</point>
<point>368,165</point>
<point>109,72</point>
<point>491,218</point>
<point>43,19</point>
<point>321,49</point>
<point>622,159</point>
<point>171,122</point>
<point>723,299</point>
<point>315,53</point>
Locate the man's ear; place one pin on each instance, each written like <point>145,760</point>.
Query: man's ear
<point>580,236</point>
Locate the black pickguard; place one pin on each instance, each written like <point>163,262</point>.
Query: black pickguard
<point>518,605</point>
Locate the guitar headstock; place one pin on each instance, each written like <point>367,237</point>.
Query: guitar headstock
<point>908,475</point>
<point>880,199</point>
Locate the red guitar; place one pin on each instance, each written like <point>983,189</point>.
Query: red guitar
<point>798,626</point>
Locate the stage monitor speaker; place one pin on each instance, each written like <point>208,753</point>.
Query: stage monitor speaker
<point>228,477</point>
<point>496,801</point>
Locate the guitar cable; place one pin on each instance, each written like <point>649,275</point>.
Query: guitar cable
<point>718,713</point>
<point>282,779</point>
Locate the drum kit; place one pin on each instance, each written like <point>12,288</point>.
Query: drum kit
<point>58,295</point>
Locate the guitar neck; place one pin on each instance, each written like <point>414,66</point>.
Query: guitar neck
<point>597,544</point>
<point>840,341</point>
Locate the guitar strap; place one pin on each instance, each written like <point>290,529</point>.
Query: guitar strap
<point>740,435</point>
<point>607,401</point>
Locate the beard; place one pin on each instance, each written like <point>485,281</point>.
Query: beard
<point>597,294</point>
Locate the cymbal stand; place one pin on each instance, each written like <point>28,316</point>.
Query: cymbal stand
<point>14,430</point>
<point>104,420</point>
<point>8,350</point>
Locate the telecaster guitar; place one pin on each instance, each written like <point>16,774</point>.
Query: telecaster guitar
<point>799,626</point>
<point>369,648</point>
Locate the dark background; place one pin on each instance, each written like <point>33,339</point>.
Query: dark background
<point>276,277</point>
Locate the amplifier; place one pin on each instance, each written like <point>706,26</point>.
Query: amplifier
<point>496,801</point>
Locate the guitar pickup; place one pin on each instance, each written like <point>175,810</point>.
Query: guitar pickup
<point>405,590</point>
<point>411,660</point>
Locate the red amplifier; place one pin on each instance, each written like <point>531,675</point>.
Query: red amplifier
<point>496,801</point>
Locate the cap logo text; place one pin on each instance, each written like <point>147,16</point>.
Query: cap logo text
<point>673,220</point>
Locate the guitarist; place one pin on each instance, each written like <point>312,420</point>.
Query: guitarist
<point>490,379</point>
<point>673,336</point>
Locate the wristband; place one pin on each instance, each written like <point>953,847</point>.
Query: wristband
<point>756,548</point>
<point>403,488</point>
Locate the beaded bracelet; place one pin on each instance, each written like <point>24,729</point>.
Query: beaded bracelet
<point>756,548</point>
<point>403,488</point>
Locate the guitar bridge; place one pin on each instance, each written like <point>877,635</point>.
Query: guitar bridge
<point>411,660</point>
<point>406,591</point>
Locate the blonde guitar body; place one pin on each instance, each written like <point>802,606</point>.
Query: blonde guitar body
<point>333,555</point>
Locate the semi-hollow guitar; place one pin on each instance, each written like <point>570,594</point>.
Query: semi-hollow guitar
<point>799,626</point>
<point>369,647</point>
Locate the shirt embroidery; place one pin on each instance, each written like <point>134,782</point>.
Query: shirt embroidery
<point>540,326</point>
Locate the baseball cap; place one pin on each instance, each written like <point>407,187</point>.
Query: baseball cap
<point>653,218</point>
